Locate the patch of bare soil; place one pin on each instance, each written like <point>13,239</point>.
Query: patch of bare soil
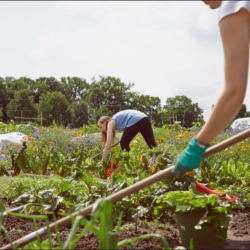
<point>238,232</point>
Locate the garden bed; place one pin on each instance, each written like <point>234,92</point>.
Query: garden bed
<point>238,231</point>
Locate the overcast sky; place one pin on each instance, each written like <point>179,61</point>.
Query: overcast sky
<point>165,48</point>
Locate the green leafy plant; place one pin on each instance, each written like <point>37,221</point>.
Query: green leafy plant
<point>185,201</point>
<point>45,201</point>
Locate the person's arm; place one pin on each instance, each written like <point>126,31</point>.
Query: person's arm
<point>235,37</point>
<point>234,31</point>
<point>110,131</point>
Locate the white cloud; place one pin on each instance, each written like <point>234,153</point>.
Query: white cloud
<point>166,48</point>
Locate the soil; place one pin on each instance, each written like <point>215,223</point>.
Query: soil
<point>238,231</point>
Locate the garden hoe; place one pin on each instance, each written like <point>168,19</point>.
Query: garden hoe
<point>128,191</point>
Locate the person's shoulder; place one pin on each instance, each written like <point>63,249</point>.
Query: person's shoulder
<point>233,6</point>
<point>112,124</point>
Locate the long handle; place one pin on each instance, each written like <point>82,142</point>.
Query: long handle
<point>103,151</point>
<point>227,143</point>
<point>130,190</point>
<point>111,147</point>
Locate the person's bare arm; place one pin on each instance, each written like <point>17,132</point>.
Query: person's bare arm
<point>110,131</point>
<point>234,31</point>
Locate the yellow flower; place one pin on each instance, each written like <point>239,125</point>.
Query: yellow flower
<point>52,144</point>
<point>134,141</point>
<point>35,147</point>
<point>18,146</point>
<point>167,133</point>
<point>226,149</point>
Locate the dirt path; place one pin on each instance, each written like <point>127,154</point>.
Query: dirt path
<point>238,232</point>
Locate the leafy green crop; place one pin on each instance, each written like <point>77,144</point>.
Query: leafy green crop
<point>227,172</point>
<point>185,201</point>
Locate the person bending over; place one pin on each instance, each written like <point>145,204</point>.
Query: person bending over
<point>131,122</point>
<point>234,30</point>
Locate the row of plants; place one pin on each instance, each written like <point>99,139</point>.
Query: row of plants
<point>77,181</point>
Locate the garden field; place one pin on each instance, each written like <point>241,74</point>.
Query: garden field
<point>50,174</point>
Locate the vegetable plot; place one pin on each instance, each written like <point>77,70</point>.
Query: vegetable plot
<point>78,182</point>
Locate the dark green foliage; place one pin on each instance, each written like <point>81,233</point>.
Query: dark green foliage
<point>177,105</point>
<point>73,101</point>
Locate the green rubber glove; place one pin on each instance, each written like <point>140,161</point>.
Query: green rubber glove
<point>190,158</point>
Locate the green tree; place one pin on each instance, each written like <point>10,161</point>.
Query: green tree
<point>23,100</point>
<point>13,85</point>
<point>243,112</point>
<point>80,109</point>
<point>74,88</point>
<point>55,106</point>
<point>43,85</point>
<point>3,102</point>
<point>39,87</point>
<point>150,106</point>
<point>183,107</point>
<point>52,83</point>
<point>108,96</point>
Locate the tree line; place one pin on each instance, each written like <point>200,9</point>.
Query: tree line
<point>72,101</point>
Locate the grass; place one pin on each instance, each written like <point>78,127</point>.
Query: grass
<point>4,181</point>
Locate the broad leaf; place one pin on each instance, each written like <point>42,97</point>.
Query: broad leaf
<point>141,211</point>
<point>17,210</point>
<point>46,195</point>
<point>25,197</point>
<point>56,202</point>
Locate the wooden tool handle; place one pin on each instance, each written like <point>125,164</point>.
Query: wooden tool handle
<point>103,151</point>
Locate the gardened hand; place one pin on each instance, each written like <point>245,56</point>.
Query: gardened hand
<point>190,158</point>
